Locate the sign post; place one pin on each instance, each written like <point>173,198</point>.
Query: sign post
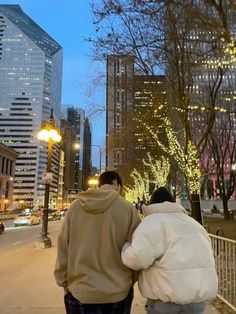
<point>72,193</point>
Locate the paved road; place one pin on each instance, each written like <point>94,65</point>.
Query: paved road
<point>15,237</point>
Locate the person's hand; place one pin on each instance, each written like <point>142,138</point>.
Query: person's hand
<point>126,245</point>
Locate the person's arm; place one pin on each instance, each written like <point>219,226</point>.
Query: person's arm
<point>139,254</point>
<point>60,271</point>
<point>147,246</point>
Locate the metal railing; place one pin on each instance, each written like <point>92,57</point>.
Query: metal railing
<point>225,258</point>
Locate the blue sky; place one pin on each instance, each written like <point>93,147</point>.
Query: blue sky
<point>68,22</point>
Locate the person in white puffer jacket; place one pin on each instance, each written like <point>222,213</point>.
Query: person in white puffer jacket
<point>174,255</point>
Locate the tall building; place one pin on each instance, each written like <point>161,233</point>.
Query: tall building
<point>87,165</point>
<point>149,105</point>
<point>73,131</point>
<point>30,85</point>
<point>131,100</point>
<point>75,118</point>
<point>59,199</point>
<point>7,173</point>
<point>69,148</point>
<point>119,109</point>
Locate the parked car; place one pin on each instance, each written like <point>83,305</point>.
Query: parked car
<point>2,227</point>
<point>54,216</point>
<point>26,219</point>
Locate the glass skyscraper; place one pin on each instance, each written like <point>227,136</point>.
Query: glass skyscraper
<point>30,85</point>
<point>73,146</point>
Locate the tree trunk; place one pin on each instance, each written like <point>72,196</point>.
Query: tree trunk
<point>225,208</point>
<point>196,208</point>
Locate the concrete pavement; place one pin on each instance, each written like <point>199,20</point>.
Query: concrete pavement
<point>28,286</point>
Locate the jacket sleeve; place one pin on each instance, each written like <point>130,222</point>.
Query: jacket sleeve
<point>60,271</point>
<point>135,221</point>
<point>139,254</point>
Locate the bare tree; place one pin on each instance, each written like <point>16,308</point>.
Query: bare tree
<point>129,27</point>
<point>182,39</point>
<point>222,142</point>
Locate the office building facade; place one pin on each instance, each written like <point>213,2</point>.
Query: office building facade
<point>30,86</point>
<point>149,107</point>
<point>7,173</point>
<point>119,109</point>
<point>73,145</point>
<point>131,100</point>
<point>87,164</point>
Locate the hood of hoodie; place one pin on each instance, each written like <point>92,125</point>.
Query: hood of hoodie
<point>98,200</point>
<point>166,207</point>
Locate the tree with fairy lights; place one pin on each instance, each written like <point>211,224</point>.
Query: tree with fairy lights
<point>187,160</point>
<point>140,189</point>
<point>154,175</point>
<point>158,170</point>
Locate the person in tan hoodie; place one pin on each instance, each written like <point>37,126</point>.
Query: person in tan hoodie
<point>88,264</point>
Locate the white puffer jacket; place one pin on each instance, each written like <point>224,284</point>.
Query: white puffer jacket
<point>175,255</point>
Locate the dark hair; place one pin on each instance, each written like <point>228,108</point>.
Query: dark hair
<point>108,177</point>
<point>161,195</point>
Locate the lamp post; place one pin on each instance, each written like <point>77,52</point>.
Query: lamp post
<point>6,201</point>
<point>21,202</point>
<point>49,134</point>
<point>100,157</point>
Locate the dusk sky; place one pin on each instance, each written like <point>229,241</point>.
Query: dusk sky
<point>69,22</point>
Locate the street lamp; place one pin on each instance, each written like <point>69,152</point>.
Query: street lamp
<point>93,182</point>
<point>21,202</point>
<point>49,134</point>
<point>6,201</point>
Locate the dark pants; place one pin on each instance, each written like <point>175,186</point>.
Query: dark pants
<point>73,306</point>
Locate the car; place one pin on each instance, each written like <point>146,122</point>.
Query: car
<point>28,219</point>
<point>2,227</point>
<point>54,216</point>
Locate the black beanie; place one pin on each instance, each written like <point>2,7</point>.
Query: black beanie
<point>161,195</point>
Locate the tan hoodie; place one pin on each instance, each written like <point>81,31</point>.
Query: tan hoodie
<point>88,262</point>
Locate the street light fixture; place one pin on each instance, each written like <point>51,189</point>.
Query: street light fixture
<point>93,182</point>
<point>49,134</point>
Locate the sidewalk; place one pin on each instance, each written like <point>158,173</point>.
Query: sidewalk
<point>28,286</point>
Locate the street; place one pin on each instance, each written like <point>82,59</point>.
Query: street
<point>26,272</point>
<point>15,237</point>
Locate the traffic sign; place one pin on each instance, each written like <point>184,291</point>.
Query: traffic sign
<point>72,193</point>
<point>47,177</point>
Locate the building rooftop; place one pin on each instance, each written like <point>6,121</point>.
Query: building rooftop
<point>16,15</point>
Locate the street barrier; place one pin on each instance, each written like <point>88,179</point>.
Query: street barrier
<point>225,258</point>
